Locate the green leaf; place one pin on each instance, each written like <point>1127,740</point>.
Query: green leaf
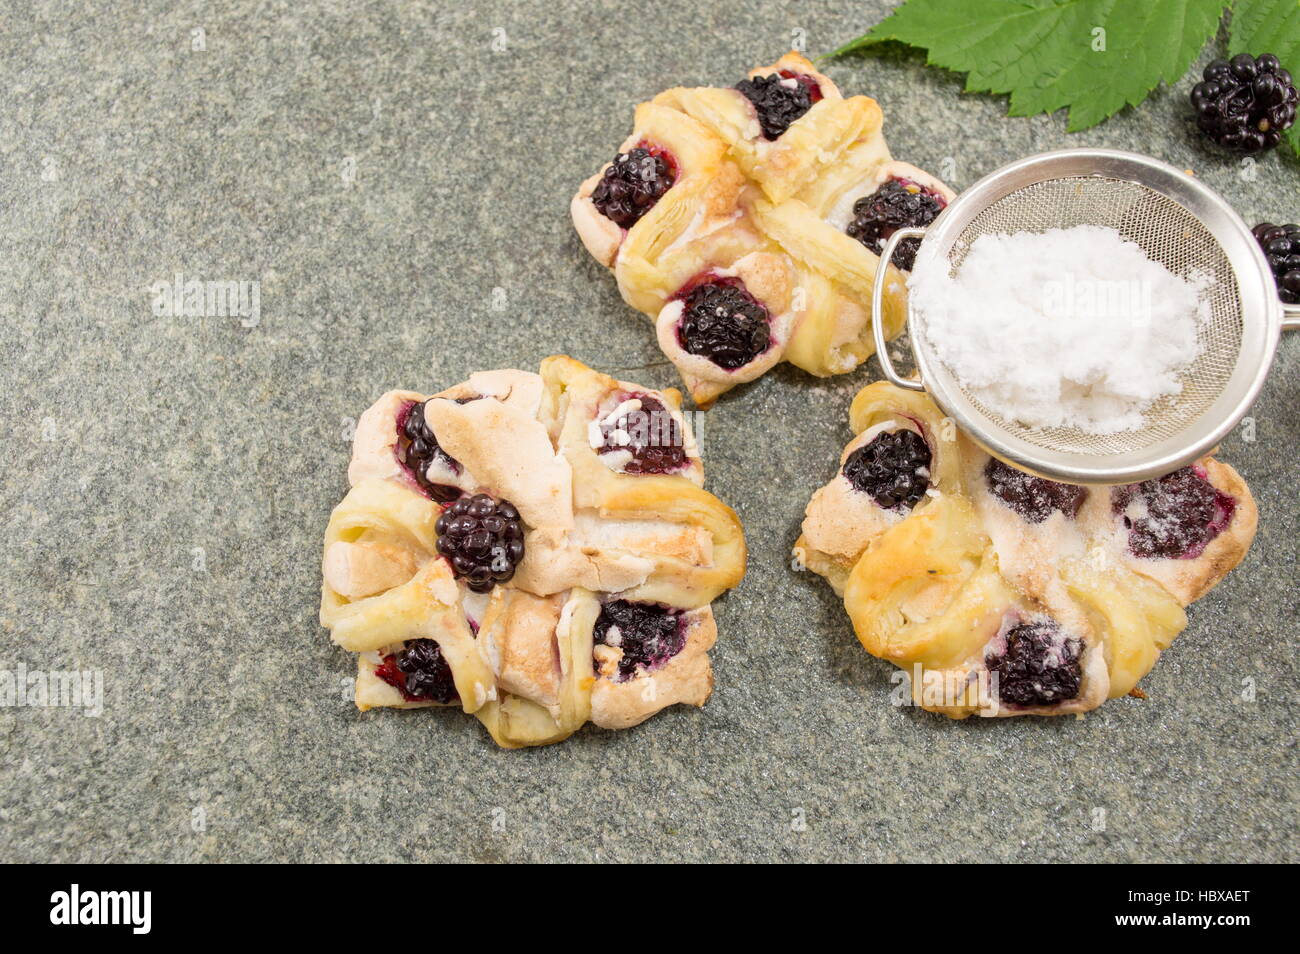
<point>1045,54</point>
<point>1269,26</point>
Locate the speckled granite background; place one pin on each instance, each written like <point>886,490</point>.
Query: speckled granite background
<point>380,169</point>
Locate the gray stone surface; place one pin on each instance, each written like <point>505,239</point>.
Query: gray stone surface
<point>134,445</point>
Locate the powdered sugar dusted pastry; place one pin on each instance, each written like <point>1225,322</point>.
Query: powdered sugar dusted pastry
<point>534,548</point>
<point>747,224</point>
<point>1004,594</point>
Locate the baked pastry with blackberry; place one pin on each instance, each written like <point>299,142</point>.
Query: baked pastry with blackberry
<point>1005,594</point>
<point>536,549</point>
<point>747,223</point>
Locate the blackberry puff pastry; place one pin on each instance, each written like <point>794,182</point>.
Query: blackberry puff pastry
<point>747,224</point>
<point>1004,594</point>
<point>536,549</point>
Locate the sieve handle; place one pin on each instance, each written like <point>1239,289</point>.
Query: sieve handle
<point>877,308</point>
<point>1291,317</point>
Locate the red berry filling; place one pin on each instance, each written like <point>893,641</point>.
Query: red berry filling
<point>1173,517</point>
<point>813,87</point>
<point>419,672</point>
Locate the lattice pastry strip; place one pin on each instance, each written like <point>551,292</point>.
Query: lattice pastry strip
<point>784,164</point>
<point>587,596</point>
<point>1004,594</point>
<point>726,218</point>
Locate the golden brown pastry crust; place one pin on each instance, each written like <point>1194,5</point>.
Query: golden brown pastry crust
<point>523,658</point>
<point>770,212</point>
<point>936,589</point>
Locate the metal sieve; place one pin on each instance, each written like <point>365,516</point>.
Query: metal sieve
<point>1178,222</point>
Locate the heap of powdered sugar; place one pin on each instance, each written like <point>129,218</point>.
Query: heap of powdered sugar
<point>1069,327</point>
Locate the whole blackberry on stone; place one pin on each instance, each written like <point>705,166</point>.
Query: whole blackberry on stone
<point>894,469</point>
<point>1281,244</point>
<point>483,540</point>
<point>896,204</point>
<point>723,322</point>
<point>1245,103</point>
<point>427,674</point>
<point>779,100</point>
<point>631,186</point>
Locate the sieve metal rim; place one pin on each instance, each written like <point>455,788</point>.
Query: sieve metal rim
<point>1260,308</point>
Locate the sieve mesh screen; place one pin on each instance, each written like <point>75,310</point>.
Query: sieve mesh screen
<point>1170,235</point>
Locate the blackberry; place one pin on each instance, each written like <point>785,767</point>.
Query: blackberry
<point>653,437</point>
<point>648,634</point>
<point>632,184</point>
<point>482,539</point>
<point>427,674</point>
<point>419,672</point>
<point>723,322</point>
<point>894,468</point>
<point>780,99</point>
<point>1032,497</point>
<point>1038,666</point>
<point>418,449</point>
<point>1177,515</point>
<point>1245,104</point>
<point>896,204</point>
<point>1281,244</point>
